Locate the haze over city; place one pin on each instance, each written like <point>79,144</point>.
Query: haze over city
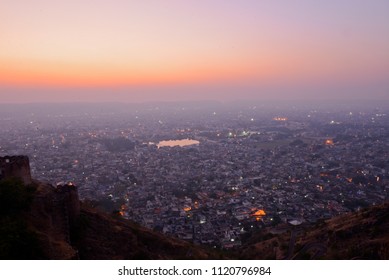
<point>136,51</point>
<point>194,130</point>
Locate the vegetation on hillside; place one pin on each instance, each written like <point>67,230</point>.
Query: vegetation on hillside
<point>17,241</point>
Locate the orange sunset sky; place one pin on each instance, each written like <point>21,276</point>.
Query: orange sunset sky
<point>134,51</point>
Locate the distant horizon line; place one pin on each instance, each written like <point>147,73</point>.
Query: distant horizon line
<point>296,100</point>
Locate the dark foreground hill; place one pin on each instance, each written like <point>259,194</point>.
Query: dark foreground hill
<point>360,235</point>
<point>40,221</point>
<point>104,237</point>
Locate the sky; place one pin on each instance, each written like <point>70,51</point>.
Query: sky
<point>136,51</point>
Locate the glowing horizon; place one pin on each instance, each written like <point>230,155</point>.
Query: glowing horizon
<point>178,47</point>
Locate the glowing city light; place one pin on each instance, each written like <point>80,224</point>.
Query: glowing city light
<point>329,142</point>
<point>280,119</point>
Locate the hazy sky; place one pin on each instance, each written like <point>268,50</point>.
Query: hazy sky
<point>121,50</point>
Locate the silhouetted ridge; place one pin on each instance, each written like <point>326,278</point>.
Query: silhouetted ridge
<point>53,224</point>
<point>40,221</point>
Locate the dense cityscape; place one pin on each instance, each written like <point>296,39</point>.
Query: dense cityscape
<point>209,173</point>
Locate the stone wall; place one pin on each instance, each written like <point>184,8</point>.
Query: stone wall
<point>67,195</point>
<point>15,167</point>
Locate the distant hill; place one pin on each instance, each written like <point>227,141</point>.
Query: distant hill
<point>360,235</point>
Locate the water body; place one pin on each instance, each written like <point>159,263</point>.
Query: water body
<point>181,143</point>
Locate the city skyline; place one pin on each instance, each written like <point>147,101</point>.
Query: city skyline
<point>102,51</point>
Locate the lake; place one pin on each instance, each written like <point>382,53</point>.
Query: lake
<point>181,143</point>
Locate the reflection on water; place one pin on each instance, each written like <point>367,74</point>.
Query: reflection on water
<point>181,143</point>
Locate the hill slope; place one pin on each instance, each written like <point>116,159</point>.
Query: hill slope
<point>53,224</point>
<point>360,235</point>
<point>39,221</point>
<point>102,237</point>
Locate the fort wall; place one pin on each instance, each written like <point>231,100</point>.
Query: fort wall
<point>68,196</point>
<point>15,167</point>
